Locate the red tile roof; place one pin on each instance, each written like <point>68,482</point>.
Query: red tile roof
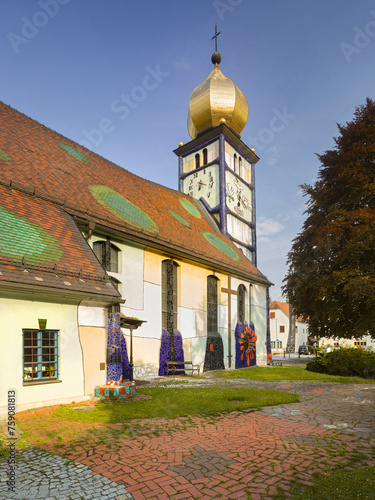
<point>45,164</point>
<point>284,306</point>
<point>40,245</point>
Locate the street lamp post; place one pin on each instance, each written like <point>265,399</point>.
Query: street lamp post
<point>131,324</point>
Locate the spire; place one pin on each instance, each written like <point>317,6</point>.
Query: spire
<point>216,56</point>
<point>217,100</point>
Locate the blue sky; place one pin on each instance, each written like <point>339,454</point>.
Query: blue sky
<point>303,66</point>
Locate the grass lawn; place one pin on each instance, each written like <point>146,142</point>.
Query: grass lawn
<point>178,402</point>
<point>351,485</point>
<point>289,373</point>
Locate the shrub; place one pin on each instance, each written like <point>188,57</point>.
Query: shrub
<point>345,362</point>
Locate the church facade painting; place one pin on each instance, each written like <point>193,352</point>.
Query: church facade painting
<point>182,261</point>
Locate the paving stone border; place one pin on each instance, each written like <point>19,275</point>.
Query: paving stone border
<point>41,475</point>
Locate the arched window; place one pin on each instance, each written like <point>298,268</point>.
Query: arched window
<point>235,162</point>
<point>169,301</point>
<point>107,254</point>
<point>212,282</point>
<point>205,156</point>
<point>241,296</point>
<point>240,166</point>
<point>169,295</point>
<point>197,161</point>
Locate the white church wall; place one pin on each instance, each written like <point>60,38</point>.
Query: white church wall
<point>151,312</point>
<point>152,267</point>
<point>259,318</point>
<point>201,323</point>
<point>132,276</point>
<point>92,316</point>
<point>61,317</point>
<point>198,350</point>
<point>186,322</point>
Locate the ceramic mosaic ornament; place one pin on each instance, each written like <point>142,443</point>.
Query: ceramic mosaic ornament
<point>114,365</point>
<point>123,208</point>
<point>165,352</point>
<point>214,358</point>
<point>245,345</point>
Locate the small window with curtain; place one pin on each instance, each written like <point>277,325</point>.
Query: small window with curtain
<point>40,355</point>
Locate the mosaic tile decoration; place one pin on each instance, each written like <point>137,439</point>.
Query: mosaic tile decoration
<point>220,245</point>
<point>165,351</point>
<point>245,339</point>
<point>73,152</point>
<point>179,218</point>
<point>190,207</point>
<point>123,208</point>
<point>120,392</point>
<point>214,358</point>
<point>4,156</point>
<point>114,370</point>
<point>21,238</point>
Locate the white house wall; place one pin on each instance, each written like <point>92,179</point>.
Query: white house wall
<point>61,317</point>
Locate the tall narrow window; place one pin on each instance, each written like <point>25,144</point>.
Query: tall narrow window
<point>240,166</point>
<point>169,301</point>
<point>212,304</point>
<point>235,162</point>
<point>40,355</point>
<point>205,156</point>
<point>107,254</point>
<point>241,294</point>
<point>197,161</point>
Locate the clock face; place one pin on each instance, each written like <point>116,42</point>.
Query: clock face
<point>204,184</point>
<point>238,197</point>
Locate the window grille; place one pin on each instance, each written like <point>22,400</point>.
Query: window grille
<point>241,294</point>
<point>107,254</point>
<point>40,355</point>
<point>212,304</point>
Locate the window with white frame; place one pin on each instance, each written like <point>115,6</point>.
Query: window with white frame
<point>40,355</point>
<point>280,344</point>
<point>273,343</point>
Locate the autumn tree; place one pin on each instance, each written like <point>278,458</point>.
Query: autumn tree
<point>331,275</point>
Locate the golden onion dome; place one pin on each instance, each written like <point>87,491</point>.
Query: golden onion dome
<point>217,100</point>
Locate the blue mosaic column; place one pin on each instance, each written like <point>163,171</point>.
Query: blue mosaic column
<point>165,351</point>
<point>114,369</point>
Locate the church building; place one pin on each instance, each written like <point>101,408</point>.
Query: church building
<point>85,244</point>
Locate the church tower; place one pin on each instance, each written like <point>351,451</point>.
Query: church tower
<point>216,167</point>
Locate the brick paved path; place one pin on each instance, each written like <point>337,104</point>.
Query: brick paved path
<point>241,453</point>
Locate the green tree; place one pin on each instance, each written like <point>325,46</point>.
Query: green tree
<point>331,275</point>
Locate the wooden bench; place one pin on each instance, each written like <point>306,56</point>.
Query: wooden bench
<point>187,366</point>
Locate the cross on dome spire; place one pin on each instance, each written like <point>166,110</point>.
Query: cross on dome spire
<point>216,57</point>
<point>215,36</point>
